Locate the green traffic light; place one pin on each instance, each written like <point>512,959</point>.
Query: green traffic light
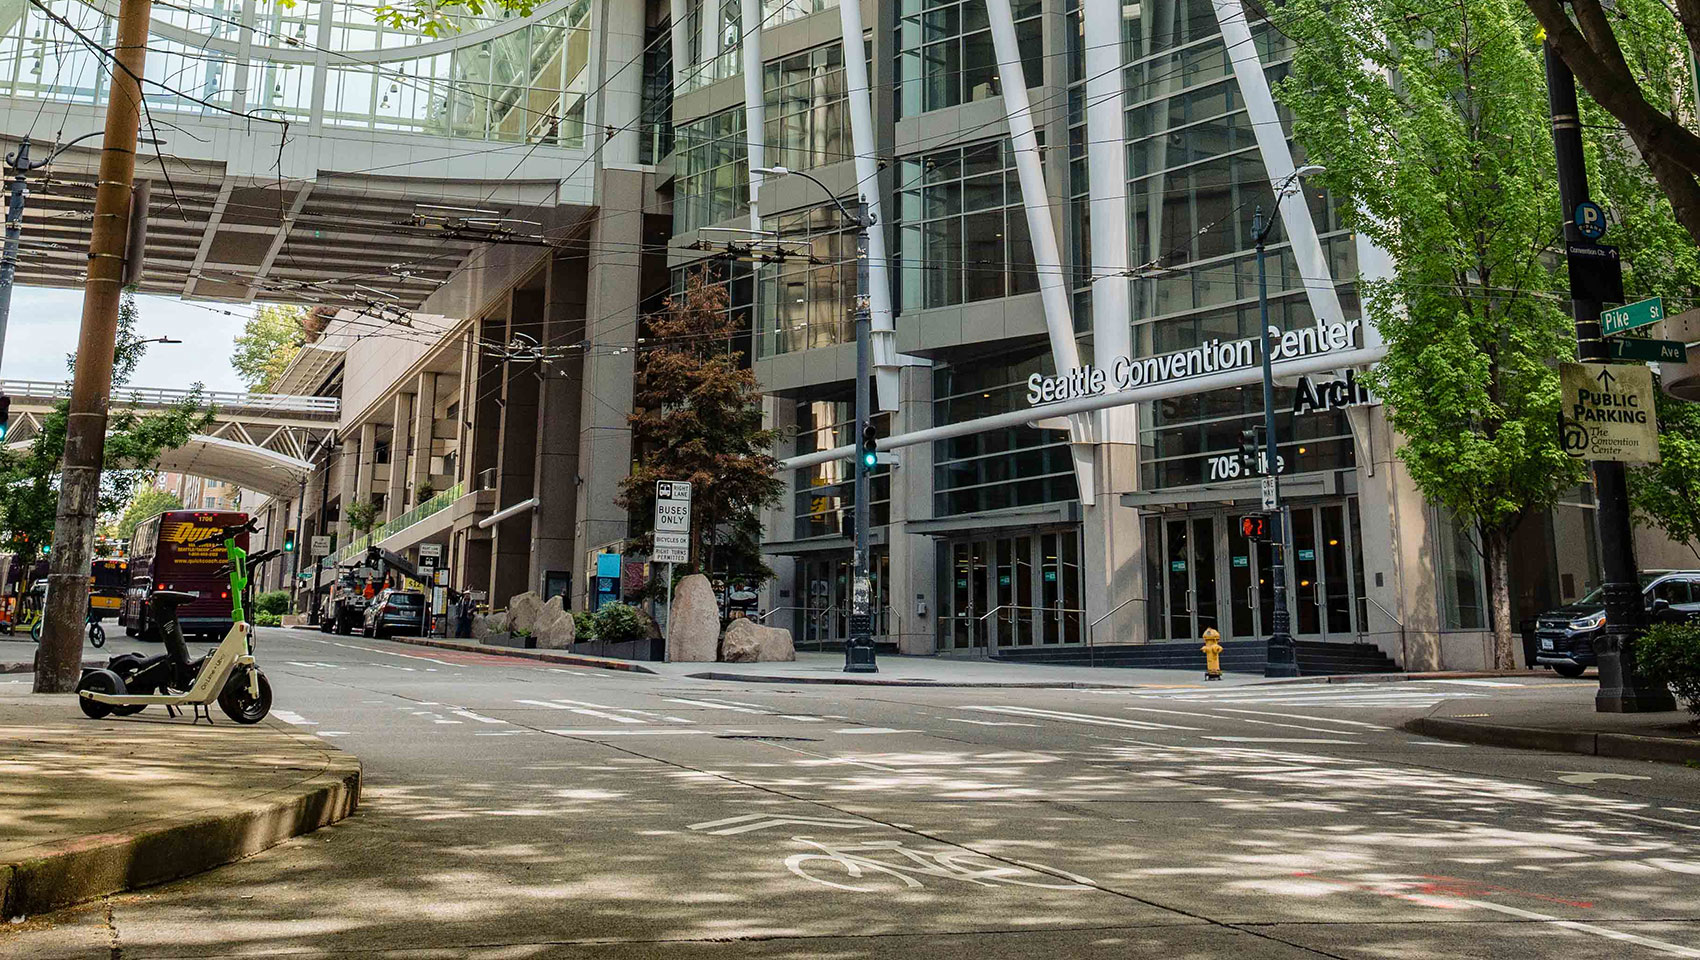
<point>869,460</point>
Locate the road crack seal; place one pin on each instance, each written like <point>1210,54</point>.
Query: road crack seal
<point>114,945</point>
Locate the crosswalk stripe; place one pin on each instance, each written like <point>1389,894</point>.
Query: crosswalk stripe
<point>1088,718</point>
<point>582,710</point>
<point>712,705</point>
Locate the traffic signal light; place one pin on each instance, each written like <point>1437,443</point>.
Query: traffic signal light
<point>289,541</point>
<point>5,416</point>
<point>870,445</point>
<point>1248,452</point>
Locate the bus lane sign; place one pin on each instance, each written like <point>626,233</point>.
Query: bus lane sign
<point>1608,412</point>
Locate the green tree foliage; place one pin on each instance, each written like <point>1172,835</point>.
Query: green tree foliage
<point>1432,124</point>
<point>134,441</point>
<point>616,622</point>
<point>273,602</point>
<point>149,501</point>
<point>1666,495</point>
<point>1670,653</point>
<point>699,419</point>
<point>269,341</point>
<point>363,515</point>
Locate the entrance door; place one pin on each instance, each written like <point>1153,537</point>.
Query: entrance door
<point>1191,577</point>
<point>1322,586</point>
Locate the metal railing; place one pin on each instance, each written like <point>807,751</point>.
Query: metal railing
<point>318,407</point>
<point>992,644</point>
<point>432,506</point>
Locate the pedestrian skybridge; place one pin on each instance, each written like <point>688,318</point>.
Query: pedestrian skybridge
<point>307,153</point>
<point>262,442</point>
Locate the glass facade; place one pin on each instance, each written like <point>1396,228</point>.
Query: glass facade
<point>807,110</point>
<point>713,181</point>
<point>525,81</point>
<point>825,494</point>
<point>962,229</point>
<point>655,135</point>
<point>805,300</point>
<point>999,469</point>
<point>945,56</point>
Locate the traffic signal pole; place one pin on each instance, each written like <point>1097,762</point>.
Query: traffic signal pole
<point>1621,690</point>
<point>1283,660</point>
<point>59,661</point>
<point>859,648</point>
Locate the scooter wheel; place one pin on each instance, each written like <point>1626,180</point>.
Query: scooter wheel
<point>240,705</point>
<point>35,631</point>
<point>99,681</point>
<point>97,635</point>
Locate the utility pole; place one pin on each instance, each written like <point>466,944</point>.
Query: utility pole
<point>1283,658</point>
<point>20,164</point>
<point>59,660</point>
<point>859,647</point>
<point>1621,690</point>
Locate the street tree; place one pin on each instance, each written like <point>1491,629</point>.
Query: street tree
<point>363,515</point>
<point>1632,57</point>
<point>268,342</point>
<point>149,501</point>
<point>699,419</point>
<point>134,441</point>
<point>1431,122</point>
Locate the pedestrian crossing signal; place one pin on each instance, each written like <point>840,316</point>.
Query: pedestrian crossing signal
<point>1255,526</point>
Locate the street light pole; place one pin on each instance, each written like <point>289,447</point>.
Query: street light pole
<point>859,654</point>
<point>21,166</point>
<point>1282,657</point>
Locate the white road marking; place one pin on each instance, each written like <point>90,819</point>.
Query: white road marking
<point>1672,949</point>
<point>295,718</point>
<point>1089,718</point>
<point>712,705</point>
<point>657,732</point>
<point>1352,695</point>
<point>314,663</point>
<point>873,730</point>
<point>991,723</point>
<point>585,711</point>
<point>468,714</point>
<point>800,718</point>
<point>751,822</point>
<point>387,653</point>
<point>333,733</point>
<point>1300,716</point>
<point>1265,723</point>
<point>1474,683</point>
<point>1279,740</point>
<point>1584,778</point>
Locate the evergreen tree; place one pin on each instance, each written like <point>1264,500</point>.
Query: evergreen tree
<point>699,419</point>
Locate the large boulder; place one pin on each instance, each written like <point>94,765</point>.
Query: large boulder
<point>486,626</point>
<point>749,642</point>
<point>693,625</point>
<point>522,612</point>
<point>554,629</point>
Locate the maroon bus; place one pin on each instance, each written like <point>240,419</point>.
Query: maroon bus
<point>163,557</point>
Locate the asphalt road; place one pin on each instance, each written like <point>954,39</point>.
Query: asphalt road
<point>516,809</point>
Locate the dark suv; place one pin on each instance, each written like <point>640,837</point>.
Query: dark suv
<point>395,611</point>
<point>1564,638</point>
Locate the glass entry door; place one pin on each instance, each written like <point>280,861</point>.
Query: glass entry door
<point>1011,590</point>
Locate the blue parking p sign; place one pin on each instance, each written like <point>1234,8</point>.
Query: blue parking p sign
<point>1590,220</point>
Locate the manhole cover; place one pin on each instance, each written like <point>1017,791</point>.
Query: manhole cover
<point>753,736</point>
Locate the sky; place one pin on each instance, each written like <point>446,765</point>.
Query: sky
<point>45,322</point>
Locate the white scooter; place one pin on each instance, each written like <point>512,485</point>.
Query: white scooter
<point>228,674</point>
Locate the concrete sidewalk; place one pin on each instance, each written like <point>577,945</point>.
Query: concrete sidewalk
<point>89,807</point>
<point>1562,719</point>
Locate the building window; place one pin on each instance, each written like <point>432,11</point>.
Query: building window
<point>1458,567</point>
<point>945,55</point>
<point>998,469</point>
<point>826,493</point>
<point>808,115</point>
<point>962,234</point>
<point>806,298</point>
<point>655,138</point>
<point>714,177</point>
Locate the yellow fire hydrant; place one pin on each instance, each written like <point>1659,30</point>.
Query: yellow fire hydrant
<point>1212,654</point>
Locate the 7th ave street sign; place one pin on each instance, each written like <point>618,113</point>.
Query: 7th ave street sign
<point>1628,317</point>
<point>1608,412</point>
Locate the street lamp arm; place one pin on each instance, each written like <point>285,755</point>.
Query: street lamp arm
<point>27,164</point>
<point>830,195</point>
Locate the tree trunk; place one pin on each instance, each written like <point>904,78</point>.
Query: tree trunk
<point>1496,546</point>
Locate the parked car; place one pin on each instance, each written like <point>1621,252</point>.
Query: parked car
<point>395,611</point>
<point>1565,638</point>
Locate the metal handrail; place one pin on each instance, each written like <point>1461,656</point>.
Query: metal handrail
<point>169,396</point>
<point>436,504</point>
<point>1091,637</point>
<point>821,615</point>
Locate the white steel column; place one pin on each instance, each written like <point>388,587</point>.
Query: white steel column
<point>1106,160</point>
<point>1047,260</point>
<point>1278,160</point>
<point>679,14</point>
<point>886,367</point>
<point>755,113</point>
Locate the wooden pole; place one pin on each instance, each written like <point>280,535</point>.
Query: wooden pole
<point>59,662</point>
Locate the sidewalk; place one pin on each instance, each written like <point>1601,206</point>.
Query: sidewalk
<point>1564,720</point>
<point>93,807</point>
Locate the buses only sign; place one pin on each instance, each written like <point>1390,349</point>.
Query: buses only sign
<point>1608,412</point>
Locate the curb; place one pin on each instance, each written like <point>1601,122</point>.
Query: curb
<point>1401,677</point>
<point>942,684</point>
<point>28,666</point>
<point>573,659</point>
<point>93,866</point>
<point>1621,745</point>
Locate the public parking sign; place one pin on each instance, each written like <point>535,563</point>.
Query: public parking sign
<point>1608,412</point>
<point>672,522</point>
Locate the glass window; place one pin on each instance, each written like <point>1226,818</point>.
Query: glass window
<point>1459,569</point>
<point>713,179</point>
<point>1674,590</point>
<point>995,470</point>
<point>805,299</point>
<point>808,115</point>
<point>962,232</point>
<point>945,55</point>
<point>825,494</point>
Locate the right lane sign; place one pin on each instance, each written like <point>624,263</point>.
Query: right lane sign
<point>672,522</point>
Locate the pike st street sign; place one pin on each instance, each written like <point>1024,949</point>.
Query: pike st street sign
<point>1608,412</point>
<point>1628,317</point>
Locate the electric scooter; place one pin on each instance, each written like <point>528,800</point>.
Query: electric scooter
<point>130,683</point>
